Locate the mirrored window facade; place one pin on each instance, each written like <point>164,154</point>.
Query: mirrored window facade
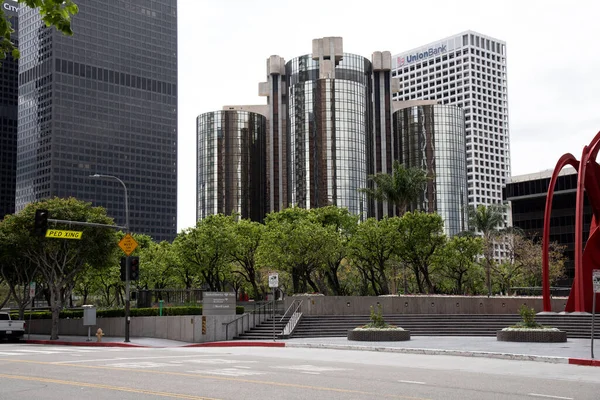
<point>102,101</point>
<point>432,137</point>
<point>8,119</point>
<point>328,128</point>
<point>232,164</point>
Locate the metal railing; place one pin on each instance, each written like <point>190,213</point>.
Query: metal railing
<point>262,311</point>
<point>294,318</point>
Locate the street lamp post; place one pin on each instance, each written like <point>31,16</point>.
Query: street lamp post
<point>127,259</point>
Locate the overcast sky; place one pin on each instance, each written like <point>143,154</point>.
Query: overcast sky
<point>553,61</point>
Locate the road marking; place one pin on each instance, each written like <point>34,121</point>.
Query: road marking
<point>120,359</point>
<point>229,372</point>
<point>310,373</point>
<point>549,397</point>
<point>228,379</point>
<point>221,361</point>
<point>143,364</point>
<point>414,382</point>
<point>310,368</point>
<point>241,366</point>
<point>100,386</point>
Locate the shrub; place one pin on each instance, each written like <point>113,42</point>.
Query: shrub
<point>120,312</point>
<point>528,316</point>
<point>377,318</point>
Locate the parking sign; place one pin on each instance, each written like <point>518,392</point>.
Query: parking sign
<point>273,280</point>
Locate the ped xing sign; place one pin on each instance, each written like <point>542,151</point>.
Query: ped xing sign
<point>59,234</point>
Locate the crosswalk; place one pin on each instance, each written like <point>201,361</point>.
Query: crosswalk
<point>73,350</point>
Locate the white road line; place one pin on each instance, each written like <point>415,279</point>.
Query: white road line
<point>547,396</point>
<point>240,366</point>
<point>120,359</point>
<point>228,372</point>
<point>310,373</point>
<point>413,382</point>
<point>10,354</point>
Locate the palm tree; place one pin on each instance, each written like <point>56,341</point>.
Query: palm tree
<point>486,220</point>
<point>401,188</point>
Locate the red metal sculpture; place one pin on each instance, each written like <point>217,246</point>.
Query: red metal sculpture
<point>588,171</point>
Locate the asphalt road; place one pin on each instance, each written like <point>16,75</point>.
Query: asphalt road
<point>69,372</point>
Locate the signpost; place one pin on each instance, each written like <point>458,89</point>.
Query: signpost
<point>274,283</point>
<point>128,244</point>
<point>218,303</point>
<point>596,287</point>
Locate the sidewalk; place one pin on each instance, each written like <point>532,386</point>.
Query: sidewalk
<point>574,351</point>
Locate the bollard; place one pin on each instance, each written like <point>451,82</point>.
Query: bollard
<point>99,334</point>
<point>160,307</point>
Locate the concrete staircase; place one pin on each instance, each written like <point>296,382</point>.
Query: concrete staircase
<point>576,326</point>
<point>264,330</point>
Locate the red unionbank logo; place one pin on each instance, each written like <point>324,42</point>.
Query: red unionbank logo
<point>400,61</point>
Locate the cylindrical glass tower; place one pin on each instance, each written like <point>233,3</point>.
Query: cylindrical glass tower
<point>432,137</point>
<point>231,164</point>
<point>328,130</point>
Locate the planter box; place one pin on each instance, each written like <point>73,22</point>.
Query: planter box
<point>540,336</point>
<point>379,336</point>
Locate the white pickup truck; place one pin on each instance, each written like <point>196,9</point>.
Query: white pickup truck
<point>10,329</point>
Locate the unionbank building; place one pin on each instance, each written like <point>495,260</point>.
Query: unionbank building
<point>327,126</point>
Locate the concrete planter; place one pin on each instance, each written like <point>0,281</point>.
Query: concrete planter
<point>539,336</point>
<point>379,336</point>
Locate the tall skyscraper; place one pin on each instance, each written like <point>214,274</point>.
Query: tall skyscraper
<point>328,124</point>
<point>467,70</point>
<point>103,101</point>
<point>9,97</point>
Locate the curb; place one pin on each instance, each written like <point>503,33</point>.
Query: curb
<point>439,352</point>
<point>584,361</point>
<point>238,344</point>
<point>86,344</point>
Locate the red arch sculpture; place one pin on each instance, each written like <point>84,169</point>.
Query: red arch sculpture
<point>588,175</point>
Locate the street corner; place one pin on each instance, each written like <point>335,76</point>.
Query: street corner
<point>59,342</point>
<point>588,362</point>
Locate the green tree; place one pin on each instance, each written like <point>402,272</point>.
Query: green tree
<point>457,260</point>
<point>246,237</point>
<point>294,242</point>
<point>486,221</point>
<point>60,261</point>
<point>15,270</point>
<point>420,235</point>
<point>401,188</point>
<point>343,225</point>
<point>207,247</point>
<point>372,249</point>
<point>56,13</point>
<point>156,266</point>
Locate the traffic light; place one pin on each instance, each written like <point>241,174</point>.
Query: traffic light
<point>123,269</point>
<point>134,268</point>
<point>40,225</point>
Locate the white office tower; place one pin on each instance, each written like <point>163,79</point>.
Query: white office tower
<point>467,70</point>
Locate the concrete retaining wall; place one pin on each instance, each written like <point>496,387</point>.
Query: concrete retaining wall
<point>360,305</point>
<point>183,328</point>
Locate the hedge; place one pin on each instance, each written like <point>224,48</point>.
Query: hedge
<point>120,312</point>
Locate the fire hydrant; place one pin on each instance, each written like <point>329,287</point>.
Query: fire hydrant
<point>99,334</point>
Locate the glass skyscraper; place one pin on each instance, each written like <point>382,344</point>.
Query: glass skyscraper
<point>103,101</point>
<point>467,70</point>
<point>232,164</point>
<point>432,137</point>
<point>9,97</point>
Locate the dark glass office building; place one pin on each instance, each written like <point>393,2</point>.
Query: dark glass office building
<point>432,137</point>
<point>328,123</point>
<point>232,164</point>
<point>528,193</point>
<point>103,101</point>
<point>9,97</point>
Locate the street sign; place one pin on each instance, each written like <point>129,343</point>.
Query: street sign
<point>596,280</point>
<point>128,244</point>
<point>274,280</point>
<point>59,234</point>
<point>31,290</point>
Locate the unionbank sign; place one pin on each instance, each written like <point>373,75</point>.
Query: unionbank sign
<point>421,55</point>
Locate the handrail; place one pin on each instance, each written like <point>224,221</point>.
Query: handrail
<point>258,310</point>
<point>291,305</point>
<point>293,321</point>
